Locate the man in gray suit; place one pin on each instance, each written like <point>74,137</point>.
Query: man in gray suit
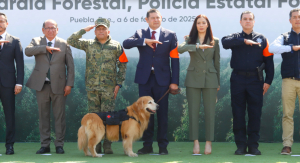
<point>52,56</point>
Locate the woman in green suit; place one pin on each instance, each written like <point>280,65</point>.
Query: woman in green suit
<point>203,77</point>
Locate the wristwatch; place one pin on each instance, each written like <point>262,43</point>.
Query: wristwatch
<point>291,48</point>
<point>119,85</point>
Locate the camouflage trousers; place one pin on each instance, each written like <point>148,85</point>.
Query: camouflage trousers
<point>101,101</point>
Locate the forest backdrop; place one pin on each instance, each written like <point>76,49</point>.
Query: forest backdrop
<point>27,129</point>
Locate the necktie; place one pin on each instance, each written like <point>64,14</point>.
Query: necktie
<point>50,56</point>
<point>153,38</point>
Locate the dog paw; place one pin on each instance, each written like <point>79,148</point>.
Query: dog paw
<point>98,155</point>
<point>88,153</point>
<point>133,155</point>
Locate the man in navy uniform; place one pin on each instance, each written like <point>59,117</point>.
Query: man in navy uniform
<point>249,51</point>
<point>156,46</point>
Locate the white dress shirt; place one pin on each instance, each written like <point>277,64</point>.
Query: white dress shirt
<point>157,34</point>
<point>52,45</point>
<point>4,38</point>
<point>277,47</point>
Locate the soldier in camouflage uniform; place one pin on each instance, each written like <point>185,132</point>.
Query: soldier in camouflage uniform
<point>102,80</point>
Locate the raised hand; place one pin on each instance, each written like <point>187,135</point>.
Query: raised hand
<point>150,42</point>
<point>88,28</point>
<point>50,49</point>
<point>250,42</point>
<point>204,46</point>
<point>296,48</point>
<point>3,41</point>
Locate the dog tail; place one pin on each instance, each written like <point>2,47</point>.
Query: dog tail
<point>82,138</point>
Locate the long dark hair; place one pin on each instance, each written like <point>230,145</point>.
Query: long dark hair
<point>194,32</point>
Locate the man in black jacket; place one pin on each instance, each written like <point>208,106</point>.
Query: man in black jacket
<point>287,45</point>
<point>10,85</point>
<point>249,51</point>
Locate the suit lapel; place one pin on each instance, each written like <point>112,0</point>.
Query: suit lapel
<point>200,51</point>
<point>44,42</point>
<point>147,34</point>
<point>5,45</point>
<point>161,38</point>
<point>56,45</point>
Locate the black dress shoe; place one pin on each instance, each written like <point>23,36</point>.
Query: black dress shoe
<point>163,151</point>
<point>43,150</point>
<point>60,150</point>
<point>145,150</point>
<point>241,151</point>
<point>254,151</point>
<point>10,150</point>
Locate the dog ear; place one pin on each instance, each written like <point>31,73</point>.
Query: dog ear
<point>140,103</point>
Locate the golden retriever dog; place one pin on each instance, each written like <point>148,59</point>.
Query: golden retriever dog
<point>92,129</point>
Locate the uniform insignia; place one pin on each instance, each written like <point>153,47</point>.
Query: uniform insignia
<point>259,40</point>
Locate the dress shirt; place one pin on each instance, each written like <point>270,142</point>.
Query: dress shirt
<point>53,42</point>
<point>4,38</point>
<point>157,34</point>
<point>277,47</point>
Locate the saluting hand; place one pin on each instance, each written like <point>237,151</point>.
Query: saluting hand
<point>88,28</point>
<point>50,49</point>
<point>266,87</point>
<point>3,41</point>
<point>204,46</point>
<point>296,48</point>
<point>150,42</point>
<point>250,42</point>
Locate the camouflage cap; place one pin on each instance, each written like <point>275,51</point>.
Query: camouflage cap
<point>102,21</point>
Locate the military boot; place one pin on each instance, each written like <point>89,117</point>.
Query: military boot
<point>98,148</point>
<point>107,147</point>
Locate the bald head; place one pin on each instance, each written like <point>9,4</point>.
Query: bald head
<point>51,21</point>
<point>50,29</point>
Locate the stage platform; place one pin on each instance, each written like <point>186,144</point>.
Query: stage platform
<point>179,152</point>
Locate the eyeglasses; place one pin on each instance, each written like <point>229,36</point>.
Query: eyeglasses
<point>50,29</point>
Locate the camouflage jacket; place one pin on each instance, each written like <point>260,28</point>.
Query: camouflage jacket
<point>101,61</point>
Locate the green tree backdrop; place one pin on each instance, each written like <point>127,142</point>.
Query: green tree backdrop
<point>76,107</point>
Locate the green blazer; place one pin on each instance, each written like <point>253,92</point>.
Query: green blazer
<point>204,68</point>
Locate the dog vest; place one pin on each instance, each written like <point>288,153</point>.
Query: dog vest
<point>115,117</point>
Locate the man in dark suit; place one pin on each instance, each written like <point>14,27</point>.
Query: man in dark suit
<point>10,52</point>
<point>156,46</point>
<point>53,59</point>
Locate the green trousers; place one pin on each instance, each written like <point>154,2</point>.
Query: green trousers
<point>101,101</point>
<point>209,101</point>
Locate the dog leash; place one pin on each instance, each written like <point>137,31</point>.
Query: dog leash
<point>164,95</point>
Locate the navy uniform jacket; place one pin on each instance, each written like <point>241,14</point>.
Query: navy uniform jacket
<point>11,52</point>
<point>246,57</point>
<point>160,58</point>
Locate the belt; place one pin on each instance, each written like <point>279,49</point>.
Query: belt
<point>47,82</point>
<point>152,72</point>
<point>246,73</point>
<point>298,79</point>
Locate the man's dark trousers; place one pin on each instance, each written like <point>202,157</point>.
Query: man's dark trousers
<point>151,88</point>
<point>246,93</point>
<point>7,97</point>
